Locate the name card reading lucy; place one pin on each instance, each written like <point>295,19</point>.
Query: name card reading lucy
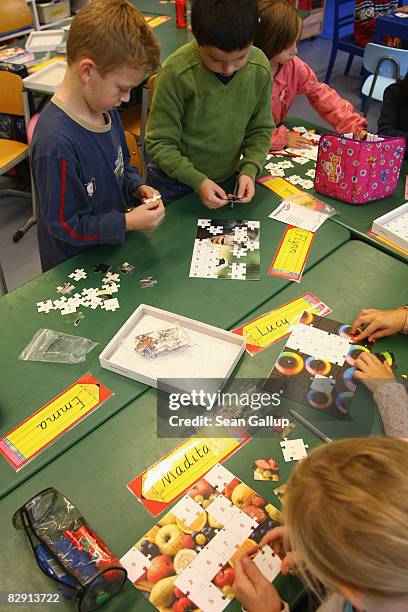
<point>276,324</point>
<point>164,481</point>
<point>60,414</point>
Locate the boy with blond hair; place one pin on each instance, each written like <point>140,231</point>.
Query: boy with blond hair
<point>211,111</point>
<point>79,154</point>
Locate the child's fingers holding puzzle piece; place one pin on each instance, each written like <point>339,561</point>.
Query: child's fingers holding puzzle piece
<point>253,590</point>
<point>246,189</point>
<point>372,372</point>
<point>295,141</point>
<point>145,218</point>
<point>378,323</point>
<point>212,195</point>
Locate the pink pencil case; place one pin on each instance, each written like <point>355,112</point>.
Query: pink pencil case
<point>358,171</point>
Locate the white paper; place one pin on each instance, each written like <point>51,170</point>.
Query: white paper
<point>299,216</point>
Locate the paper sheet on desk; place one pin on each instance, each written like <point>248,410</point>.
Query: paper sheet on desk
<point>299,216</point>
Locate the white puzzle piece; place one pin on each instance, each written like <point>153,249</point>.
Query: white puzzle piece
<point>293,450</point>
<point>268,563</point>
<point>187,510</point>
<point>224,545</point>
<point>222,509</point>
<point>45,306</point>
<point>211,599</point>
<point>207,562</point>
<point>78,275</point>
<point>135,563</point>
<point>190,582</point>
<point>112,304</point>
<point>241,526</point>
<point>323,384</point>
<point>219,476</point>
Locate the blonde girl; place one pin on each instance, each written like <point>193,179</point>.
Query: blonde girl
<point>346,524</point>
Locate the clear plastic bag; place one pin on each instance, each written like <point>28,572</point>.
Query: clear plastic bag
<point>309,201</point>
<point>69,551</point>
<point>161,342</point>
<point>56,347</point>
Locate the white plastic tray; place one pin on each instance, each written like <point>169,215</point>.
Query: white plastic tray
<point>48,79</point>
<point>394,226</point>
<point>213,353</point>
<point>44,41</point>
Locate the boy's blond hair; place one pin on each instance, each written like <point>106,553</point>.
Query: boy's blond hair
<point>346,513</point>
<point>279,26</point>
<point>113,33</point>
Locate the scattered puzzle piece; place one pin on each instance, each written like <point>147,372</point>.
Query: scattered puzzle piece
<point>293,450</point>
<point>45,306</point>
<point>78,275</point>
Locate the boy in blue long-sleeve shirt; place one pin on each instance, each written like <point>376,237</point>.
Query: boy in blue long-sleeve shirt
<point>79,154</point>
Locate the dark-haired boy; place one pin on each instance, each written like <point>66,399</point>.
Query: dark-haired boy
<point>211,111</point>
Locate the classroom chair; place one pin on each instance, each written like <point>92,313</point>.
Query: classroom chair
<point>15,15</point>
<point>387,64</point>
<point>134,151</point>
<point>146,104</point>
<point>12,152</point>
<point>343,40</point>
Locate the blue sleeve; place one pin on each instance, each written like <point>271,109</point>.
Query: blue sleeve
<point>69,213</point>
<point>132,179</point>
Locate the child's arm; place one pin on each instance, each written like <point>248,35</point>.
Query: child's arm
<point>388,119</point>
<point>164,131</point>
<point>389,395</point>
<point>257,140</point>
<point>339,113</point>
<point>68,210</point>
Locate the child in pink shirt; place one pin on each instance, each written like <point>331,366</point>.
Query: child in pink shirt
<point>278,32</point>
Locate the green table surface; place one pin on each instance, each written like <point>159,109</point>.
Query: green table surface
<point>358,219</point>
<point>95,472</point>
<point>164,254</point>
<point>155,7</point>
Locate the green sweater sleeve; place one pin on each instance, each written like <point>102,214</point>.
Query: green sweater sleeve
<point>164,128</point>
<point>257,139</point>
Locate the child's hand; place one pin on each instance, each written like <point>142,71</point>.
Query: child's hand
<point>246,189</point>
<point>253,590</point>
<point>295,141</point>
<point>372,372</point>
<point>145,192</point>
<point>145,218</point>
<point>275,539</point>
<point>212,195</point>
<point>379,323</point>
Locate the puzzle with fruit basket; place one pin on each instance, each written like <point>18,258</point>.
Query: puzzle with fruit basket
<point>186,561</point>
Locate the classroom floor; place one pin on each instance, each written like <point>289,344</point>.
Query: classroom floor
<point>21,261</point>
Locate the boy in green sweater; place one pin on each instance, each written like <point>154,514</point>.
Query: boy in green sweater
<point>211,111</point>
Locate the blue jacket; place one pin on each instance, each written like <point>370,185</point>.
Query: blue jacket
<point>83,181</point>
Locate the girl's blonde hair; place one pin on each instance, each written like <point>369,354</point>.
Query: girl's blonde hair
<point>279,27</point>
<point>346,513</point>
<point>113,33</point>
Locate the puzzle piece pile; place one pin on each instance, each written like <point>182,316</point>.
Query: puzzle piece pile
<point>190,553</point>
<point>159,342</point>
<point>90,297</point>
<point>297,156</point>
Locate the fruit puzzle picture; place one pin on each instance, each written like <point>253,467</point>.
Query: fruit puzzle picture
<point>316,366</point>
<point>186,561</point>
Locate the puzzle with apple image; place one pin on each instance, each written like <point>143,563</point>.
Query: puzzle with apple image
<point>186,561</point>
